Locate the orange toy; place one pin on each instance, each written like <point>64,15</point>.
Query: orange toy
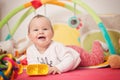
<point>114,60</point>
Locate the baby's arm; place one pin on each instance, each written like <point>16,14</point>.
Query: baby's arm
<point>54,70</point>
<point>69,58</point>
<point>64,66</point>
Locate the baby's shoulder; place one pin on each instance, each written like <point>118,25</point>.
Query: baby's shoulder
<point>57,44</point>
<point>31,47</point>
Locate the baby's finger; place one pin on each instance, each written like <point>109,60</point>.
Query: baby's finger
<point>50,71</point>
<point>59,72</point>
<point>56,72</point>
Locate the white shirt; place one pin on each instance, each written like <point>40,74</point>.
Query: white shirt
<point>64,58</point>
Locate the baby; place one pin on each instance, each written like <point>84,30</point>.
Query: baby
<point>60,58</point>
<point>46,51</point>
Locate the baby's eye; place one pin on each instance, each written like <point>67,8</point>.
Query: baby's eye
<point>35,30</point>
<point>45,29</point>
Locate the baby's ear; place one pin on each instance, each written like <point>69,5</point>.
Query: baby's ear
<point>28,36</point>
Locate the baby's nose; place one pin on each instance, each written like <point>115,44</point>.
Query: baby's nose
<point>41,32</point>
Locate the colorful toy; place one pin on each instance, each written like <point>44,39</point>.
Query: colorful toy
<point>37,3</point>
<point>9,69</point>
<point>37,69</point>
<point>75,22</point>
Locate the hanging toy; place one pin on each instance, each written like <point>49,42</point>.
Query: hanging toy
<point>75,22</point>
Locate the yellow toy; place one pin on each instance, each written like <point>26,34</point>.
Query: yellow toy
<point>37,69</point>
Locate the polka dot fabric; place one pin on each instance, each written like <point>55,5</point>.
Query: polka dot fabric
<point>96,56</point>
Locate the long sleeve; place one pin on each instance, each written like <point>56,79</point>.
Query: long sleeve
<point>69,59</point>
<point>32,55</point>
<point>64,58</point>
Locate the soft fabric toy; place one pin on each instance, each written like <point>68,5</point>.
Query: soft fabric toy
<point>6,46</point>
<point>114,60</point>
<point>14,47</point>
<point>21,45</point>
<point>66,35</point>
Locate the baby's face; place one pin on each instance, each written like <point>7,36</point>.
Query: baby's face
<point>41,31</point>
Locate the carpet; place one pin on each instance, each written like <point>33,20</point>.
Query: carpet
<point>78,74</point>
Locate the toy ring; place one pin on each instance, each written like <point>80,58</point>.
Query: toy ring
<point>73,22</point>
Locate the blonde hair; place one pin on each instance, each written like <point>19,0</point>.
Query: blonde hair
<point>39,16</point>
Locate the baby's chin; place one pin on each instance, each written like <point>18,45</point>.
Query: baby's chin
<point>42,41</point>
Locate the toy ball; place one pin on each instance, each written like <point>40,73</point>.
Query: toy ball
<point>9,69</point>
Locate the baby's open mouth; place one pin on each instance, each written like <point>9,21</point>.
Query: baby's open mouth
<point>41,37</point>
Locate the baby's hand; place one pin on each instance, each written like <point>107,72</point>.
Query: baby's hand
<point>54,70</point>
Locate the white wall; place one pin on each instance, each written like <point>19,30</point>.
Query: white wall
<point>55,13</point>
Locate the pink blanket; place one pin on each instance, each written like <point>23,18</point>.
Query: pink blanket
<point>79,74</point>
